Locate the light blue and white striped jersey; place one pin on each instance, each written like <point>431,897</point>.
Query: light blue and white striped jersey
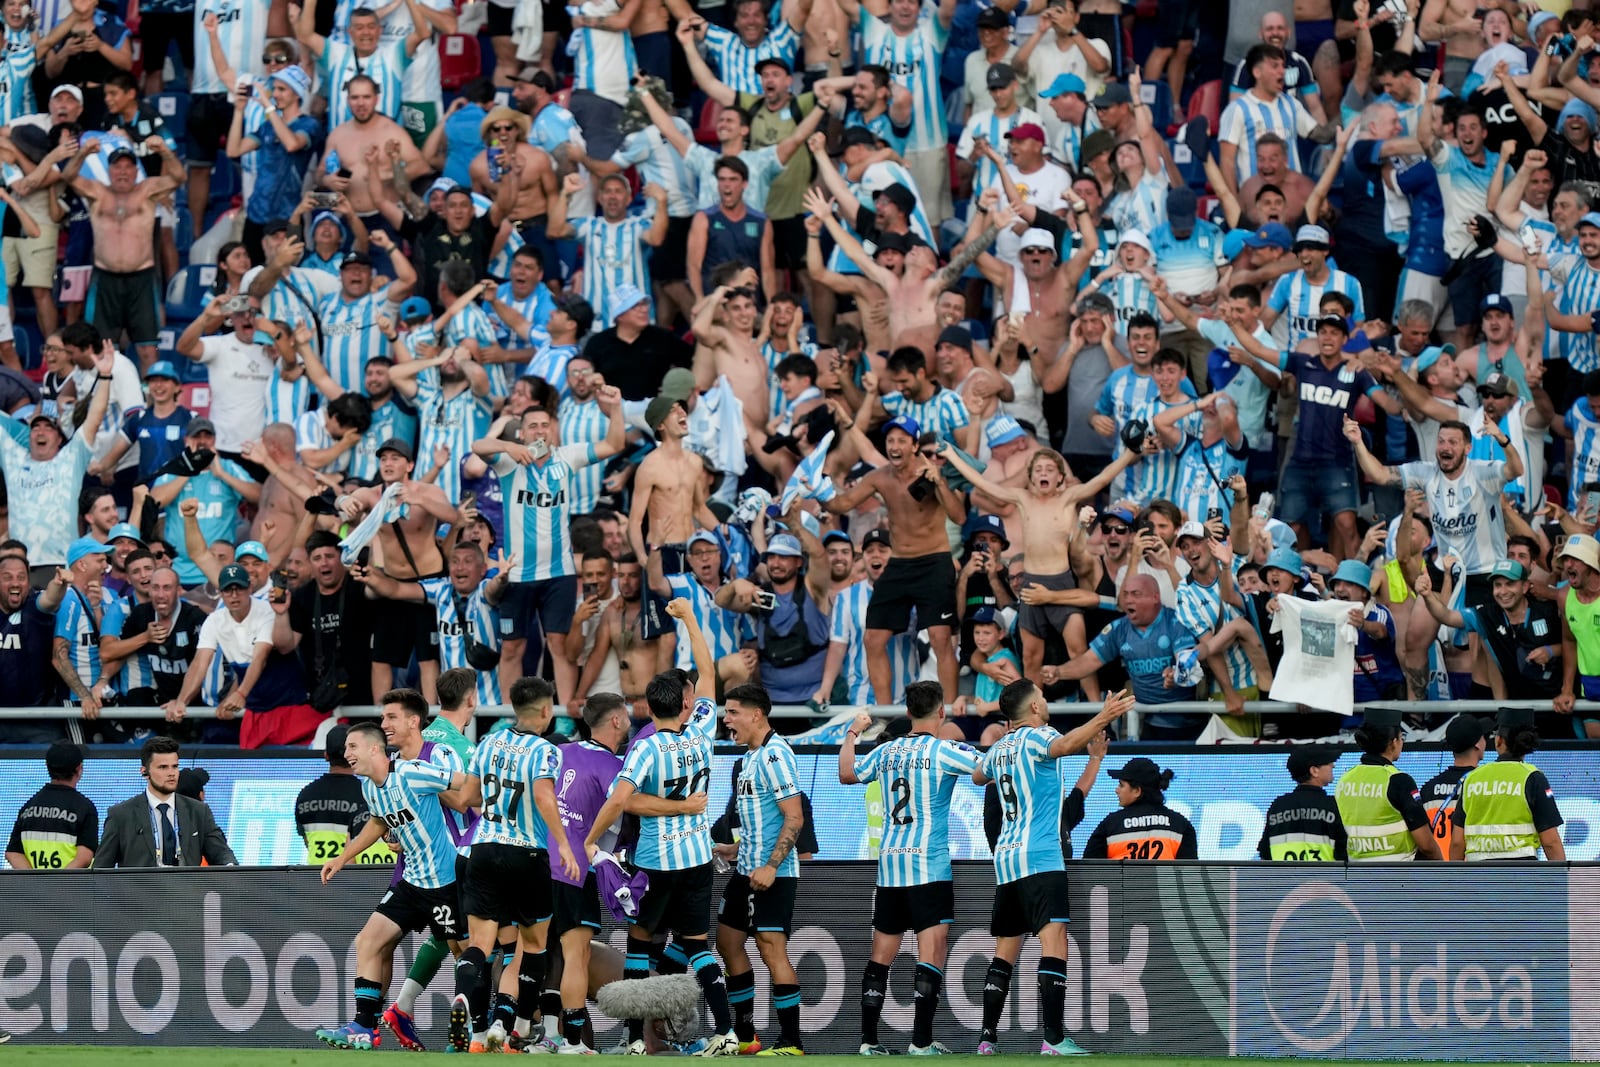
<point>724,629</point>
<point>1580,296</point>
<point>311,432</point>
<point>473,323</point>
<point>1249,117</point>
<point>1028,780</point>
<point>701,162</point>
<point>1585,428</point>
<point>613,256</point>
<point>1143,207</point>
<point>1200,608</point>
<point>537,510</point>
<point>550,363</point>
<point>408,803</point>
<point>386,66</point>
<point>136,672</point>
<point>882,127</point>
<point>286,400</point>
<point>735,62</point>
<point>16,88</point>
<point>1466,511</point>
<point>1132,296</point>
<point>1156,477</point>
<point>241,30</point>
<point>536,307</point>
<point>295,299</point>
<point>508,762</point>
<point>255,117</point>
<point>674,765</point>
<point>659,162</point>
<point>943,413</point>
<point>913,61</point>
<point>1300,300</point>
<point>767,776</point>
<point>584,424</point>
<point>394,418</point>
<point>482,622</point>
<point>1200,469</point>
<point>1464,187</point>
<point>350,336</point>
<point>455,422</point>
<point>217,518</point>
<point>848,627</point>
<point>992,128</point>
<point>76,626</point>
<point>919,773</point>
<point>604,62</point>
<point>1125,394</point>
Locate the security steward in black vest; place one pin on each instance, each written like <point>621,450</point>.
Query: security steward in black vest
<point>1303,824</point>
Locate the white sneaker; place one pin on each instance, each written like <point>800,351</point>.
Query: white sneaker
<point>580,1049</point>
<point>636,1048</point>
<point>494,1039</point>
<point>722,1045</point>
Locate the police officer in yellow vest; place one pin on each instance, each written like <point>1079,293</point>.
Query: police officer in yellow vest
<point>1303,824</point>
<point>1507,809</point>
<point>58,827</point>
<point>1379,803</point>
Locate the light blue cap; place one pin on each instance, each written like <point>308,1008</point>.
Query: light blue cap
<point>1285,559</point>
<point>785,545</point>
<point>162,368</point>
<point>252,548</point>
<point>83,548</point>
<point>124,529</point>
<point>1355,572</point>
<point>1064,83</point>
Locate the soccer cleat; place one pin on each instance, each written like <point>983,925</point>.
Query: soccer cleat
<point>636,1048</point>
<point>533,1046</point>
<point>751,1047</point>
<point>689,1048</point>
<point>350,1035</point>
<point>460,1023</point>
<point>404,1029</point>
<point>783,1050</point>
<point>988,1048</point>
<point>494,1039</point>
<point>1065,1047</point>
<point>875,1050</point>
<point>580,1049</point>
<point>722,1045</point>
<point>934,1049</point>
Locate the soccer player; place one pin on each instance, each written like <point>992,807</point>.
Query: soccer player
<point>1031,876</point>
<point>587,770</point>
<point>915,887</point>
<point>673,765</point>
<point>511,779</point>
<point>401,795</point>
<point>758,899</point>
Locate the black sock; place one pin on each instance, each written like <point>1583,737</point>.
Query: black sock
<point>636,965</point>
<point>926,985</point>
<point>874,986</point>
<point>996,987</point>
<point>708,972</point>
<point>481,997</point>
<point>505,1011</point>
<point>550,1011</point>
<point>1052,998</point>
<point>369,1002</point>
<point>572,1025</point>
<point>669,958</point>
<point>467,967</point>
<point>530,982</point>
<point>786,998</point>
<point>742,999</point>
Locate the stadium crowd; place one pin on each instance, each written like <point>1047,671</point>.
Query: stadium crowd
<point>944,341</point>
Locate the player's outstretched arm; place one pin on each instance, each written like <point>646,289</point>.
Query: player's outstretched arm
<point>1116,705</point>
<point>370,835</point>
<point>705,667</point>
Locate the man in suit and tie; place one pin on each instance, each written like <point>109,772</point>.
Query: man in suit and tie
<point>160,827</point>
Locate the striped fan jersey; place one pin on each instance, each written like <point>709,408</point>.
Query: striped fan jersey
<point>537,510</point>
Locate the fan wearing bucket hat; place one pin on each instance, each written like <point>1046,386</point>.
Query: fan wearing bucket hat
<point>1303,824</point>
<point>1143,827</point>
<point>1379,804</point>
<point>1508,810</point>
<point>1521,632</point>
<point>624,236</point>
<point>1378,675</point>
<point>1030,872</point>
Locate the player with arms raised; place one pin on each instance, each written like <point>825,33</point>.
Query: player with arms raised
<point>915,888</point>
<point>1030,873</point>
<point>664,781</point>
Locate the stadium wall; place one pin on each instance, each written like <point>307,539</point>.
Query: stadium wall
<point>1328,961</point>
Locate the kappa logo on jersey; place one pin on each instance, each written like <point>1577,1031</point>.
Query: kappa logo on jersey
<point>11,642</point>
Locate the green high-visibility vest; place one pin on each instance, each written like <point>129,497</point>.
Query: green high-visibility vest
<point>1377,830</point>
<point>1300,847</point>
<point>1499,820</point>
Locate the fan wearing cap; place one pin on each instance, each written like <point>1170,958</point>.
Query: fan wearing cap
<point>1299,293</point>
<point>57,828</point>
<point>847,642</point>
<point>1572,310</point>
<point>1130,281</point>
<point>1030,872</point>
<point>994,46</point>
<point>1580,632</point>
<point>389,414</point>
<point>1379,804</point>
<point>1037,287</point>
<point>1505,347</point>
<point>623,236</point>
<point>214,485</point>
<point>1466,739</point>
<point>1303,824</point>
<point>1023,175</point>
<point>1522,424</point>
<point>1377,674</point>
<point>349,316</point>
<point>1144,827</point>
<point>992,125</point>
<point>1508,810</point>
<point>329,809</point>
<point>1213,609</point>
<point>1521,633</point>
<point>75,651</point>
<point>872,102</point>
<point>332,230</point>
<point>241,370</point>
<point>156,428</point>
<point>792,634</point>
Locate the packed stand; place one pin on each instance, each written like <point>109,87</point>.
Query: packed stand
<point>1182,346</point>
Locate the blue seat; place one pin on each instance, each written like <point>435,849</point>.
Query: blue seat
<point>189,291</point>
<point>1190,166</point>
<point>1158,97</point>
<point>174,111</point>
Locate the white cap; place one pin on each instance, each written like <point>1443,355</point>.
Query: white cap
<point>1136,237</point>
<point>1038,238</point>
<point>1192,529</point>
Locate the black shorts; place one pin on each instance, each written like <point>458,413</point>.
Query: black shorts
<point>789,243</point>
<point>758,911</point>
<point>669,262</point>
<point>210,115</point>
<point>509,884</point>
<point>159,29</point>
<point>898,908</point>
<point>556,19</point>
<point>436,910</point>
<point>128,300</point>
<point>550,602</point>
<point>926,583</point>
<point>679,901</point>
<point>535,238</point>
<point>500,19</point>
<point>1176,21</point>
<point>403,629</point>
<point>575,906</point>
<point>1029,904</point>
